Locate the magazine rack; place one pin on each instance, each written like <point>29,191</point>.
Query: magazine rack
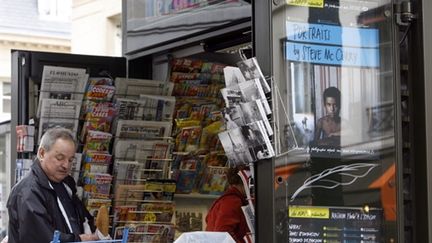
<point>56,238</point>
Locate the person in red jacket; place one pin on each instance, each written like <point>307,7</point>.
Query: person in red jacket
<point>226,214</point>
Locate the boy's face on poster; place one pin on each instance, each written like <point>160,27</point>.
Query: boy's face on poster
<point>331,106</point>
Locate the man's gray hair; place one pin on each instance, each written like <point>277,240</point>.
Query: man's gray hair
<point>54,134</point>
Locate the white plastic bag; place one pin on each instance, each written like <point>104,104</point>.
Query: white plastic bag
<point>205,237</point>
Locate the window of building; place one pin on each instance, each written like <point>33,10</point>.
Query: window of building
<point>5,98</point>
<point>55,9</point>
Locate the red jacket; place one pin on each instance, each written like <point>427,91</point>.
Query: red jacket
<point>226,214</point>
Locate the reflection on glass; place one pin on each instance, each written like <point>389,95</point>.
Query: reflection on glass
<point>165,14</point>
<point>334,125</point>
<point>5,175</point>
<point>149,23</point>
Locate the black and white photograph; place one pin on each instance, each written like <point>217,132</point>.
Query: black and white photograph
<point>251,70</point>
<point>252,90</point>
<point>235,146</point>
<point>233,76</point>
<point>254,111</point>
<point>60,95</point>
<point>247,144</point>
<point>233,117</point>
<point>232,97</point>
<point>258,140</point>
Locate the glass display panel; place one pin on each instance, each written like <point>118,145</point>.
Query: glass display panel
<point>157,21</point>
<point>5,175</point>
<point>334,121</point>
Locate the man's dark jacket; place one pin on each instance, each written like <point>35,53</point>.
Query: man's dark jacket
<point>34,214</point>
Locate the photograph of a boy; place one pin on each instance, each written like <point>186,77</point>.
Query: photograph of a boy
<point>327,135</point>
<point>328,127</point>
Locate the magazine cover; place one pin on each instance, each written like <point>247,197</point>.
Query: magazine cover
<point>209,140</point>
<point>98,117</point>
<point>186,65</point>
<point>212,67</point>
<point>99,81</point>
<point>94,109</point>
<point>96,157</point>
<point>97,141</point>
<point>214,180</point>
<point>96,162</point>
<point>186,174</point>
<point>188,139</point>
<point>187,221</point>
<point>99,92</point>
<point>97,184</point>
<point>161,212</point>
<point>198,88</point>
<point>124,213</point>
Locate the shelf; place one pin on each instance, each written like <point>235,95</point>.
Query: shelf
<point>195,196</point>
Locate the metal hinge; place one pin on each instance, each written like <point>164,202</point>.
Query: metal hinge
<point>404,13</point>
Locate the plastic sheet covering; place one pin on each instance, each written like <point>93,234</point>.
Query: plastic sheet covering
<point>205,237</point>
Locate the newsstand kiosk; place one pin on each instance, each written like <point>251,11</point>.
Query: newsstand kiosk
<point>349,97</point>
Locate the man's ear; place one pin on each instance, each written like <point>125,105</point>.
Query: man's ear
<point>41,153</point>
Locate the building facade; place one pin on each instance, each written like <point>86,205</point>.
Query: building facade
<point>38,25</point>
<point>96,27</point>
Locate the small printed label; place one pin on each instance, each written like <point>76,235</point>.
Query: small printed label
<point>307,3</point>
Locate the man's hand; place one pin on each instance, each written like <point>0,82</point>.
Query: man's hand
<point>89,237</point>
